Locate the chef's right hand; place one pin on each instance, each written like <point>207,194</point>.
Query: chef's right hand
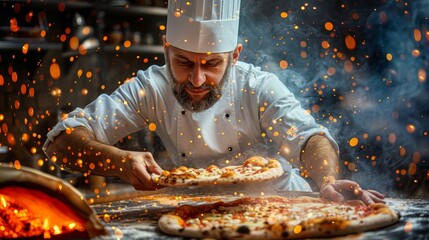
<point>137,168</point>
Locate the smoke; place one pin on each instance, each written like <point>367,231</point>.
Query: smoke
<point>361,68</point>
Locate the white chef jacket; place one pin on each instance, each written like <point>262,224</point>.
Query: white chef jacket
<point>256,114</point>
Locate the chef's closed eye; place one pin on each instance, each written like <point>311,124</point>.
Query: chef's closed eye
<point>212,63</point>
<point>184,62</point>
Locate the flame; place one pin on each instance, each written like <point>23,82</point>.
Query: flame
<point>3,202</point>
<point>26,213</point>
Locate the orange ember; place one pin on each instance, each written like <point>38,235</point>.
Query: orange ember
<point>26,213</point>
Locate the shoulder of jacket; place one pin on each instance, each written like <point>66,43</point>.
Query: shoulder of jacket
<point>154,75</point>
<point>252,75</point>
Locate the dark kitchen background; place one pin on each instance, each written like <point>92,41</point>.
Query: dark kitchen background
<point>359,67</point>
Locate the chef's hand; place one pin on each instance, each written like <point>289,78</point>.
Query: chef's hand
<point>138,168</point>
<point>341,190</point>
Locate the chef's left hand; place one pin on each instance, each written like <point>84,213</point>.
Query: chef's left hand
<point>341,190</point>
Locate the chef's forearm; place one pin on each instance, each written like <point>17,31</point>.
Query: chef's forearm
<point>80,151</point>
<point>321,160</point>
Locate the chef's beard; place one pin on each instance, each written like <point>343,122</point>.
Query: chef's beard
<point>211,97</point>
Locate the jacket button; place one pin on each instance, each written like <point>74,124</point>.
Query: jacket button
<point>227,115</point>
<point>183,155</point>
<point>183,112</point>
<point>230,149</point>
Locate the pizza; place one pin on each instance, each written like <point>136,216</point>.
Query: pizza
<point>254,169</point>
<point>274,217</point>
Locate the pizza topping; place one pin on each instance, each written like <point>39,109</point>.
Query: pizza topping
<point>255,161</point>
<point>276,218</point>
<point>228,174</point>
<point>253,169</point>
<point>165,173</point>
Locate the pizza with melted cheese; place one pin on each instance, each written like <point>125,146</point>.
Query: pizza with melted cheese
<point>254,169</point>
<point>275,217</point>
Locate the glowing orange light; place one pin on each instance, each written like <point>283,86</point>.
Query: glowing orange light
<point>84,91</point>
<point>416,53</point>
<point>353,142</point>
<point>329,26</point>
<point>315,108</point>
<point>331,71</point>
<point>54,70</point>
<point>283,64</point>
<point>1,80</point>
<point>29,16</point>
<point>91,166</point>
<point>14,25</point>
<point>351,166</point>
<point>297,229</point>
<point>421,75</point>
<point>33,150</point>
<point>411,128</point>
<point>283,15</point>
<point>17,164</point>
<point>82,50</point>
<point>17,104</point>
<point>86,30</point>
<point>30,111</point>
<point>408,227</point>
<point>25,48</point>
<point>63,38</point>
<point>416,157</point>
<point>56,92</point>
<point>127,44</point>
<point>162,27</point>
<point>402,151</point>
<point>152,127</point>
<point>417,35</point>
<point>89,74</point>
<point>40,162</point>
<point>74,43</point>
<point>14,77</point>
<point>412,168</point>
<point>350,42</point>
<point>4,127</point>
<point>23,89</point>
<point>389,57</point>
<point>61,7</point>
<point>325,44</point>
<point>31,92</point>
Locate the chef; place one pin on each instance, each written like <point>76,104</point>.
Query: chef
<point>207,107</point>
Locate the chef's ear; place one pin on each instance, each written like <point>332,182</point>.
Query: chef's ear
<point>236,53</point>
<point>164,42</point>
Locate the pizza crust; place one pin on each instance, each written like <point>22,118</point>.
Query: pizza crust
<point>255,169</point>
<point>376,216</point>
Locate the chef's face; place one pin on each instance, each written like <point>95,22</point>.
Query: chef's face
<point>198,78</point>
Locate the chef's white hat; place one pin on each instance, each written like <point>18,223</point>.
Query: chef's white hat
<point>203,26</point>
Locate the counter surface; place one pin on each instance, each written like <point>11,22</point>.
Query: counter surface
<point>136,218</point>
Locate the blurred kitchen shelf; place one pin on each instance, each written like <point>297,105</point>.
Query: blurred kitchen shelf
<point>135,9</point>
<point>155,49</point>
<point>68,4</point>
<point>33,45</point>
<point>110,48</point>
<point>75,4</point>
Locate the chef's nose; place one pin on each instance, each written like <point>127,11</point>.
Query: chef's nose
<point>197,77</point>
